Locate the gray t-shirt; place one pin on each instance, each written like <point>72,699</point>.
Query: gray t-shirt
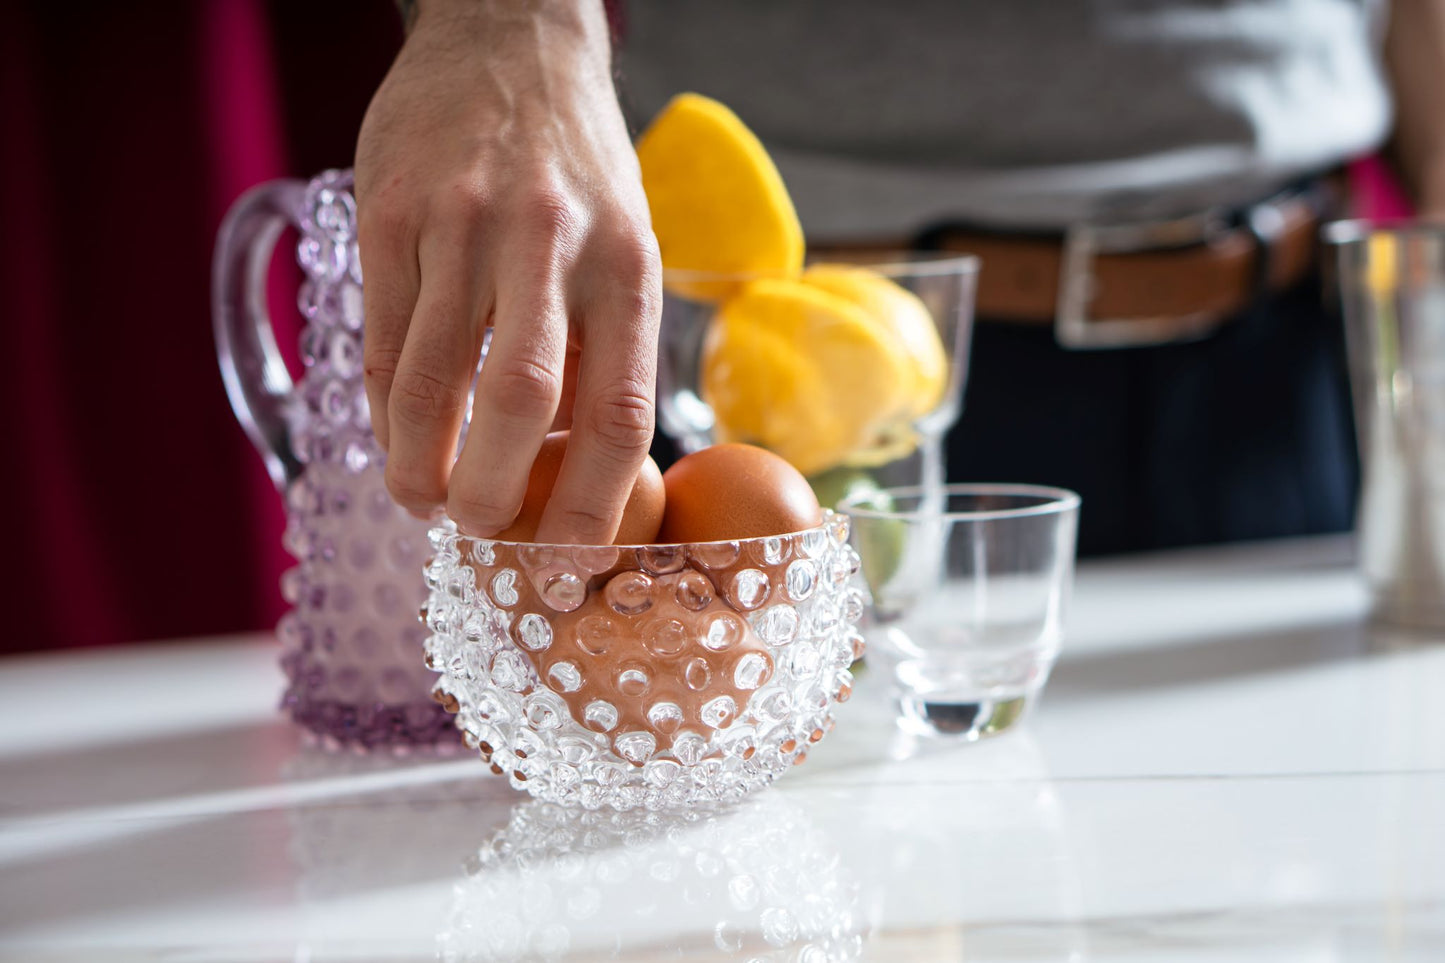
<point>885,118</point>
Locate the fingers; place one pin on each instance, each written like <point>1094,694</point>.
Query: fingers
<point>520,386</point>
<point>389,262</point>
<point>426,402</point>
<point>426,313</point>
<point>613,415</point>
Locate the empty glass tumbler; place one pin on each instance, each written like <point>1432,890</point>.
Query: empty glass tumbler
<point>970,587</point>
<point>1392,283</point>
<point>352,643</point>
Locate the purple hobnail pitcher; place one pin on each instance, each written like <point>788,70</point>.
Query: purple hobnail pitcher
<point>351,642</point>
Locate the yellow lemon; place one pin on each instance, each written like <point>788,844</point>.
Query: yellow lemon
<point>825,367</point>
<point>764,392</point>
<point>1383,272</point>
<point>718,203</point>
<point>901,316</point>
<point>806,373</point>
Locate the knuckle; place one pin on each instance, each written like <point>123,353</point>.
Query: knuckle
<point>622,418</point>
<point>554,212</point>
<point>634,270</point>
<point>639,306</point>
<point>588,521</point>
<point>411,488</point>
<point>386,233</point>
<point>460,207</point>
<point>479,508</point>
<point>382,219</point>
<point>378,364</point>
<point>466,193</point>
<point>637,251</point>
<point>525,389</point>
<point>420,398</point>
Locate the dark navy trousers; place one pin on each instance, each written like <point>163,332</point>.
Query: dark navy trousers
<point>1246,434</point>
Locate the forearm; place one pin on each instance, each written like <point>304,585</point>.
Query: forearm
<point>1415,59</point>
<point>585,21</point>
<point>536,50</point>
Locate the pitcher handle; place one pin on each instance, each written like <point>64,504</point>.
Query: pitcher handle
<point>256,378</point>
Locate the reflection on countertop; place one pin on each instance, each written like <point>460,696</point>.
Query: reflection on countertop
<point>757,881</point>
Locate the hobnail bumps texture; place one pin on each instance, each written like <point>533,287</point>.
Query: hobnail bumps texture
<point>653,676</point>
<point>351,646</point>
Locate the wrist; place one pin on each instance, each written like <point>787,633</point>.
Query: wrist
<point>575,28</point>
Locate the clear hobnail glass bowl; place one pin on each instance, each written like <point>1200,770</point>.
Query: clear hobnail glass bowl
<point>651,675</point>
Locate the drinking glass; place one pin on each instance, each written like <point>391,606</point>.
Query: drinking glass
<point>1392,284</point>
<point>970,585</point>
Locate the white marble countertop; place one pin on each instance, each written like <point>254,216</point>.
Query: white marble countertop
<point>1228,764</point>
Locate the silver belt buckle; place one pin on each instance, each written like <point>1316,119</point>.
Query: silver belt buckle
<point>1076,330</point>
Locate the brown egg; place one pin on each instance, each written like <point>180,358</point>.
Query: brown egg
<point>735,491</point>
<point>663,654</point>
<point>640,517</point>
<point>635,647</point>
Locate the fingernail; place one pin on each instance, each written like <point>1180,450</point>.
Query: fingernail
<point>476,531</point>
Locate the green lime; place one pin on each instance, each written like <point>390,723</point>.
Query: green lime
<point>879,541</point>
<point>836,484</point>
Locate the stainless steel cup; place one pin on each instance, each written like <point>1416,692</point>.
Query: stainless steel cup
<point>1392,283</point>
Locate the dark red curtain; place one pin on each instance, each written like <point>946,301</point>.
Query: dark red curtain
<point>134,507</point>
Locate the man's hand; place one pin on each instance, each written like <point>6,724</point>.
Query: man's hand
<point>496,185</point>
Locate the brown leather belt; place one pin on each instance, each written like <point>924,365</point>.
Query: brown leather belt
<point>1144,283</point>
